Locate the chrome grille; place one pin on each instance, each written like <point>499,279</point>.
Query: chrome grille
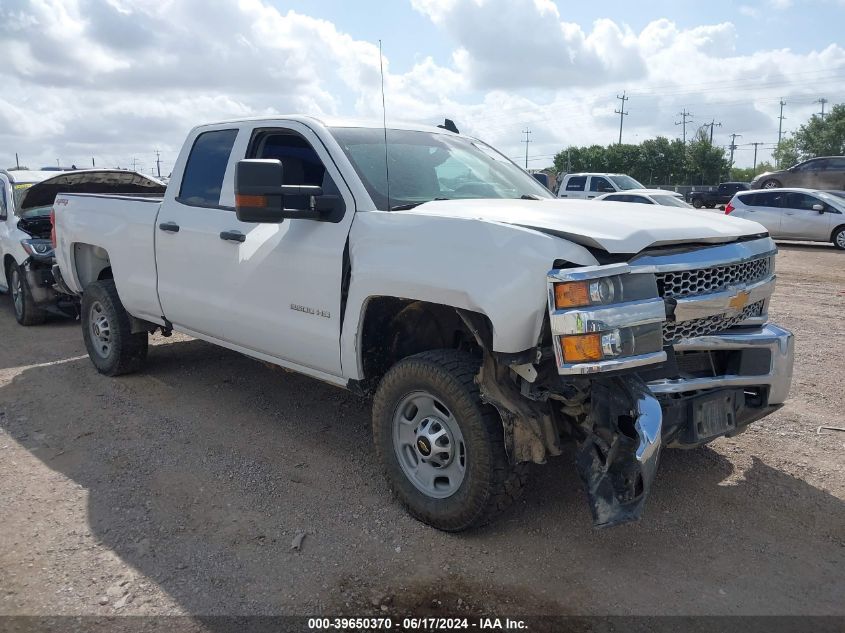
<point>688,283</point>
<point>674,332</point>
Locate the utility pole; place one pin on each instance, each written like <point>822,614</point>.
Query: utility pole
<point>822,101</point>
<point>158,163</point>
<point>621,112</point>
<point>684,114</point>
<point>711,125</point>
<point>527,140</point>
<point>732,147</point>
<point>17,161</point>
<point>134,164</point>
<point>756,145</point>
<point>93,164</point>
<point>780,120</point>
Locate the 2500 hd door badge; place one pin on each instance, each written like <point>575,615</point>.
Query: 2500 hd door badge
<point>315,311</point>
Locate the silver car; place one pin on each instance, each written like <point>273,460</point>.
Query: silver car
<point>794,214</point>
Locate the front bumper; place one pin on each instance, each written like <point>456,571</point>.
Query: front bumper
<point>753,370</point>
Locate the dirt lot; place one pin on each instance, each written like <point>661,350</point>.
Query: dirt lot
<point>180,490</point>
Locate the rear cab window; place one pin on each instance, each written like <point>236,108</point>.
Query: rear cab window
<point>205,169</point>
<point>576,183</point>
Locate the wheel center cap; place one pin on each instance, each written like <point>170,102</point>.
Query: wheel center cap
<point>423,446</point>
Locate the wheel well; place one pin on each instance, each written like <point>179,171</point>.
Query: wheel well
<point>7,260</point>
<point>836,230</point>
<point>92,264</point>
<point>395,328</point>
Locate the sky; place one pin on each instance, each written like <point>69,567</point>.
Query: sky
<point>112,81</point>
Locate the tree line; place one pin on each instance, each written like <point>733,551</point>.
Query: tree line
<point>661,161</point>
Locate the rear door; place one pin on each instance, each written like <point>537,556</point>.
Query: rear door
<point>573,187</point>
<point>800,221</point>
<point>274,289</point>
<point>763,207</point>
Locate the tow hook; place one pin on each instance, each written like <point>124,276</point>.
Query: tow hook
<point>617,459</point>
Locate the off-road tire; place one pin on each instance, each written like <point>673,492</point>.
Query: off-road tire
<point>491,483</point>
<point>770,183</point>
<point>838,238</point>
<point>29,313</point>
<point>696,202</point>
<point>128,351</point>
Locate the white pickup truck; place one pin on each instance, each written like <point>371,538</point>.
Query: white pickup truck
<point>490,321</point>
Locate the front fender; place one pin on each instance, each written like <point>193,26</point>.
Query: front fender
<point>497,270</point>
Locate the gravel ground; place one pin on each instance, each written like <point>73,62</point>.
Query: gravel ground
<point>182,489</point>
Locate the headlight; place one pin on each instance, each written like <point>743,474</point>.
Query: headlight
<point>577,294</point>
<point>37,247</point>
<point>604,318</point>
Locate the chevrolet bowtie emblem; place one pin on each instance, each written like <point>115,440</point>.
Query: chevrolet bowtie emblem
<point>739,301</point>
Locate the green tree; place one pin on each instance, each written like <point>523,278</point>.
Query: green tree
<point>747,174</point>
<point>822,137</point>
<point>705,163</point>
<point>786,154</point>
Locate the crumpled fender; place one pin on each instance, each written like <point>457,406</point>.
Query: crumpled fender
<point>617,459</point>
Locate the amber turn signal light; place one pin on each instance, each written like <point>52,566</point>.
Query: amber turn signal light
<point>572,294</point>
<point>242,200</point>
<point>581,347</point>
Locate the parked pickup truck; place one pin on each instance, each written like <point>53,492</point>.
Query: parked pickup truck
<point>490,321</point>
<point>711,199</point>
<point>26,200</point>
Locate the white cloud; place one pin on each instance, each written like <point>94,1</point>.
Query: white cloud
<point>117,78</point>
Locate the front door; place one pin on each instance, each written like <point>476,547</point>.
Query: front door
<point>800,221</point>
<point>274,289</point>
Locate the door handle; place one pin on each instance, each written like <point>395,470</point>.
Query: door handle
<point>170,227</point>
<point>233,236</point>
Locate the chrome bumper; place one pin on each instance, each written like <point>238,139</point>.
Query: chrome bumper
<point>778,341</point>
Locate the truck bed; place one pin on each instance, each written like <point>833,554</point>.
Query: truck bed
<point>123,225</point>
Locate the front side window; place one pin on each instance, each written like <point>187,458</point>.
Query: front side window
<point>576,183</point>
<point>206,167</point>
<point>425,166</point>
<point>597,183</point>
<point>802,201</point>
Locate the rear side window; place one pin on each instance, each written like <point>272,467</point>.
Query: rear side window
<point>576,183</point>
<point>762,199</point>
<point>617,198</point>
<point>203,177</point>
<point>837,163</point>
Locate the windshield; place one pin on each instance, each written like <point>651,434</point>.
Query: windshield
<point>426,166</point>
<point>626,182</point>
<point>19,189</point>
<point>670,201</point>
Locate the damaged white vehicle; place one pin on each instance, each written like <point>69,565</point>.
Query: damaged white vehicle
<point>26,201</point>
<point>490,321</point>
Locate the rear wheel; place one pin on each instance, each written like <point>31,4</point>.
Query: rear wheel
<point>771,183</point>
<point>112,346</point>
<point>839,238</point>
<point>26,311</point>
<point>441,447</point>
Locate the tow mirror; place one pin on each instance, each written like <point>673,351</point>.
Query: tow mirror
<point>261,196</point>
<point>818,207</point>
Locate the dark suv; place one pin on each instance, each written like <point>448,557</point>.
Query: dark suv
<point>827,172</point>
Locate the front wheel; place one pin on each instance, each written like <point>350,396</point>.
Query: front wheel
<point>696,203</point>
<point>771,183</point>
<point>839,238</point>
<point>112,346</point>
<point>441,447</point>
<point>26,311</point>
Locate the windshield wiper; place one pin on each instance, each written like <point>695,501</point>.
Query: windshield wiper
<point>411,205</point>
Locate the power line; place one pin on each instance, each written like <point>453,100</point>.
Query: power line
<point>621,112</point>
<point>684,114</point>
<point>527,140</point>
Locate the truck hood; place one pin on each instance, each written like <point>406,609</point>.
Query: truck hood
<point>610,226</point>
